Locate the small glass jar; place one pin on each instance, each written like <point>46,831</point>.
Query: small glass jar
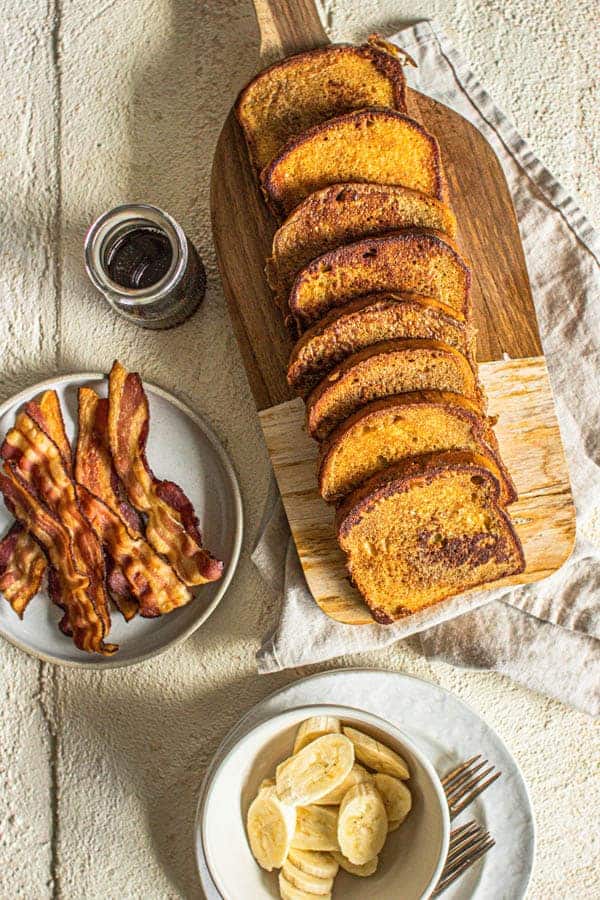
<point>141,260</point>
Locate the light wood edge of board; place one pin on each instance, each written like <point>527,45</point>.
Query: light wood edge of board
<point>520,395</point>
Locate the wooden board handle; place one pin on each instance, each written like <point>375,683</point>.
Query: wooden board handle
<point>288,26</point>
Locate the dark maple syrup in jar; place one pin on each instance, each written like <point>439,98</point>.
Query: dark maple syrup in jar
<point>140,258</point>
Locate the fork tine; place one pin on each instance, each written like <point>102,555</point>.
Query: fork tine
<point>448,778</point>
<point>465,842</point>
<point>467,779</point>
<point>461,788</point>
<point>455,810</point>
<point>449,878</point>
<point>467,851</point>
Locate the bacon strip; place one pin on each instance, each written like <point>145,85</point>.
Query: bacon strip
<point>172,526</point>
<point>86,625</point>
<point>22,567</point>
<point>22,562</point>
<point>93,463</point>
<point>37,460</point>
<point>95,470</point>
<point>150,579</point>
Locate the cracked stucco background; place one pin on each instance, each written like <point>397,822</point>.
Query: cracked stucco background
<point>109,100</point>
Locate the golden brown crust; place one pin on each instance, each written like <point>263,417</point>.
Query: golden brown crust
<point>421,402</point>
<point>399,476</point>
<point>408,260</point>
<point>369,320</point>
<point>344,213</point>
<point>385,369</point>
<point>461,560</point>
<point>423,171</point>
<point>262,148</point>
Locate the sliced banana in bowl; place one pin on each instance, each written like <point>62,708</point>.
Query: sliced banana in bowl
<point>320,767</point>
<point>329,796</point>
<point>271,826</point>
<point>362,824</point>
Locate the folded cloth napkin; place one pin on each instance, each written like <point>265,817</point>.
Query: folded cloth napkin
<point>545,635</point>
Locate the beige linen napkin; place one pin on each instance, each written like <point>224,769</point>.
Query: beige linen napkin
<point>546,635</point>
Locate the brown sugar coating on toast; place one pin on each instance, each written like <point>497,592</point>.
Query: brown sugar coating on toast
<point>423,262</point>
<point>426,529</point>
<point>343,213</point>
<point>308,88</point>
<point>392,367</point>
<point>371,145</point>
<point>387,431</point>
<point>370,320</point>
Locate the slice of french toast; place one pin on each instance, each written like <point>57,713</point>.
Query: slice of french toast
<point>391,367</point>
<point>303,90</point>
<point>385,432</point>
<point>370,145</point>
<point>370,320</point>
<point>426,529</point>
<point>343,213</point>
<point>424,262</point>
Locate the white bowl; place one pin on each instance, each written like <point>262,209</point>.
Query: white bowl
<point>412,859</point>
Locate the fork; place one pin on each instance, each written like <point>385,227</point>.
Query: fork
<point>467,844</point>
<point>466,782</point>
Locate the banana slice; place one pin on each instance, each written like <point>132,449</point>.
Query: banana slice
<point>368,868</point>
<point>316,828</point>
<point>312,884</point>
<point>270,826</point>
<point>396,798</point>
<point>375,755</point>
<point>289,891</point>
<point>362,824</point>
<point>313,862</point>
<point>315,771</point>
<point>357,775</point>
<point>316,727</point>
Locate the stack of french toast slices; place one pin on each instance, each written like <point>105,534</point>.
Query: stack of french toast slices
<point>367,272</point>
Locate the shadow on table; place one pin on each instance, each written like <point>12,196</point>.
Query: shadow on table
<point>159,747</point>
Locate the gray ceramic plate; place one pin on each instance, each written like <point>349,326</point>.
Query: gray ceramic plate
<point>181,447</point>
<point>447,731</point>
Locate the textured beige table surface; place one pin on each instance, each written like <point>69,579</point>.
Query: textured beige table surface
<point>111,100</point>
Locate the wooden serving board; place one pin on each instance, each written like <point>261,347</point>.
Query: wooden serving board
<point>503,311</point>
<point>527,430</point>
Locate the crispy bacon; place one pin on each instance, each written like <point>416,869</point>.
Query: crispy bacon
<point>22,567</point>
<point>22,562</point>
<point>47,415</point>
<point>86,625</point>
<point>39,463</point>
<point>93,463</point>
<point>172,526</point>
<point>95,470</point>
<point>149,578</point>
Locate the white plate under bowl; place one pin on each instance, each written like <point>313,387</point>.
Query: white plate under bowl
<point>448,732</point>
<point>182,448</point>
<point>413,856</point>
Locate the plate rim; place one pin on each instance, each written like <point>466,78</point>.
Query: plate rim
<point>207,429</point>
<point>376,670</point>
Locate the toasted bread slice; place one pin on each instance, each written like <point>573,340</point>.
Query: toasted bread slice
<point>308,88</point>
<point>370,320</point>
<point>343,213</point>
<point>427,529</point>
<point>424,262</point>
<point>392,367</point>
<point>374,145</point>
<point>387,431</point>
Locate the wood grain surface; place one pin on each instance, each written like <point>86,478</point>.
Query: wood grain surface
<point>527,430</point>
